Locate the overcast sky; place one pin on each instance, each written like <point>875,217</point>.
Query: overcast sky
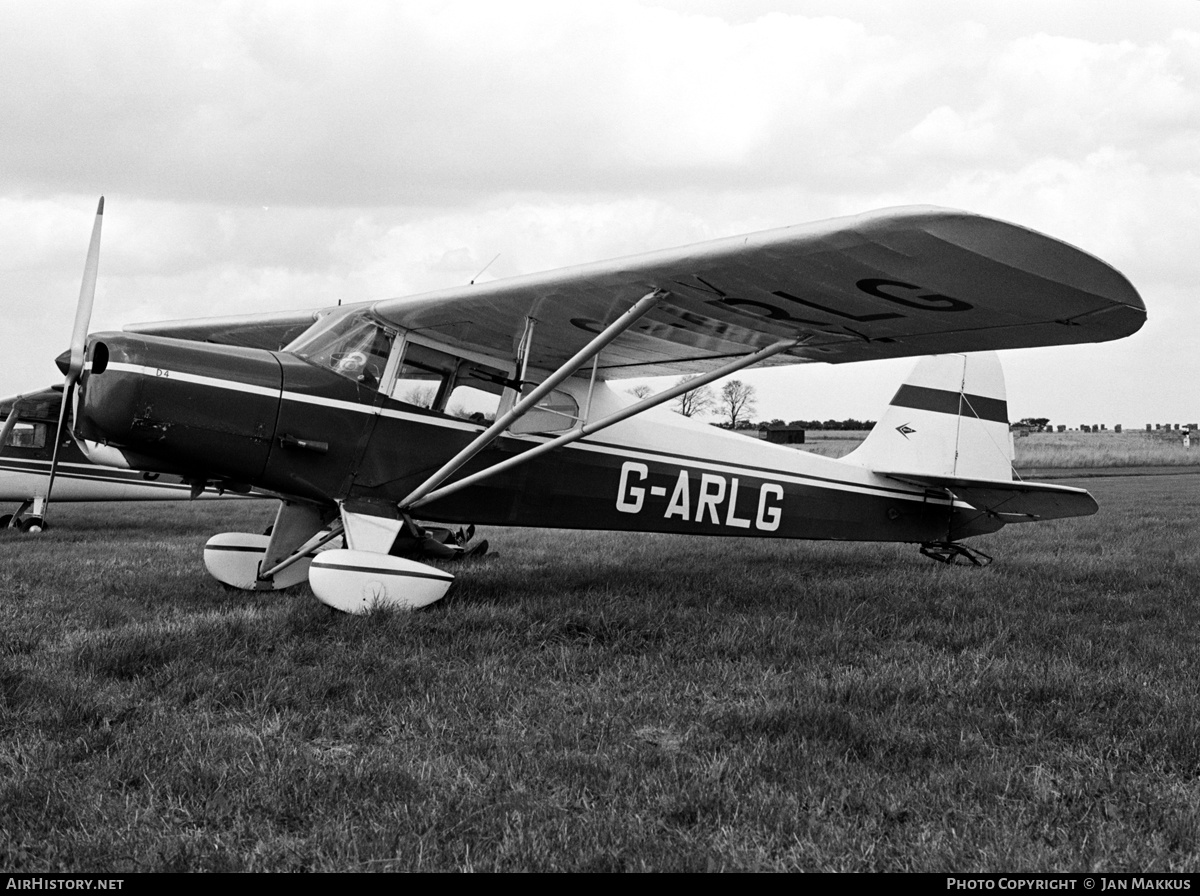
<point>264,156</point>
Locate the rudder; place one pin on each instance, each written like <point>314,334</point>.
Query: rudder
<point>948,419</point>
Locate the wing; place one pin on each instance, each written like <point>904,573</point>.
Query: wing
<point>269,331</point>
<point>894,283</point>
<point>887,284</point>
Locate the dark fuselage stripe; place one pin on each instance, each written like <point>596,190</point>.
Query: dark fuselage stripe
<point>379,571</point>
<point>943,401</point>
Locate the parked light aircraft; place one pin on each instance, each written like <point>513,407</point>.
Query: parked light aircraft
<point>27,441</point>
<point>491,404</point>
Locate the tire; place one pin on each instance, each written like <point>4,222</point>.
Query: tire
<point>33,524</point>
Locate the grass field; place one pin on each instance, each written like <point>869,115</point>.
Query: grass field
<point>1066,450</point>
<point>1056,450</point>
<point>611,702</point>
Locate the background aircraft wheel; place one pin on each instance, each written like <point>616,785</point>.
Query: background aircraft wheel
<point>33,524</point>
<point>5,519</point>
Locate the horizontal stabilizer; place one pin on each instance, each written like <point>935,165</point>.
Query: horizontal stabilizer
<point>1010,501</point>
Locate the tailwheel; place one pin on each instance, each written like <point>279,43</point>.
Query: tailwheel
<point>362,581</point>
<point>952,553</point>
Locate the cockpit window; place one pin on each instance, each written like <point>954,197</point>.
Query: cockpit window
<point>353,346</point>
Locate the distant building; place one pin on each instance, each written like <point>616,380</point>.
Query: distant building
<point>785,434</point>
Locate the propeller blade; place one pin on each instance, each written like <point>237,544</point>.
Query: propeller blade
<point>58,440</point>
<point>87,295</point>
<point>83,318</point>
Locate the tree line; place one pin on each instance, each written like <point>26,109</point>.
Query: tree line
<point>734,404</point>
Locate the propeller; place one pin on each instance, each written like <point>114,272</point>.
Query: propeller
<point>83,317</point>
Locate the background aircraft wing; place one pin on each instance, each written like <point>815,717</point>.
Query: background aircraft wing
<point>887,284</point>
<point>41,404</point>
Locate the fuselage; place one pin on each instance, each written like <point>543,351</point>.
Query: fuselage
<point>279,422</point>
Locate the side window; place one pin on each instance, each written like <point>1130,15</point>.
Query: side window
<point>476,394</point>
<point>443,382</point>
<point>557,412</point>
<point>424,377</point>
<point>415,385</point>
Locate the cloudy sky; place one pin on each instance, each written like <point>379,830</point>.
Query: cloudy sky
<point>262,156</point>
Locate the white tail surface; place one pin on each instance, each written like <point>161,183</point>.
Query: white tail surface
<point>949,419</point>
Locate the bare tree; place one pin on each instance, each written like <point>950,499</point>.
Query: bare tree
<point>736,402</point>
<point>695,402</point>
<point>640,392</point>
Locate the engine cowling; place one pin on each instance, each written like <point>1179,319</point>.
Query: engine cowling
<point>201,410</point>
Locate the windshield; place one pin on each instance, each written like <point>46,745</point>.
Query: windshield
<point>353,346</point>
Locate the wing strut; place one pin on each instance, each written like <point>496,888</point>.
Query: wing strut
<point>589,351</point>
<point>589,428</point>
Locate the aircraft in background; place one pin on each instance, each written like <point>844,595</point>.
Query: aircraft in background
<point>27,441</point>
<point>490,403</point>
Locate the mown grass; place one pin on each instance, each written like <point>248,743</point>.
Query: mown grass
<point>593,701</point>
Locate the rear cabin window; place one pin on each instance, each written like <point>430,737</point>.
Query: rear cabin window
<point>557,412</point>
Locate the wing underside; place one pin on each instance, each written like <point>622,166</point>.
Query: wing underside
<point>895,283</point>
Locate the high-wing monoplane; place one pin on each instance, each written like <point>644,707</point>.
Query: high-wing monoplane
<point>491,403</point>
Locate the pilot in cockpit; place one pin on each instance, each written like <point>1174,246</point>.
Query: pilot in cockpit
<point>366,361</point>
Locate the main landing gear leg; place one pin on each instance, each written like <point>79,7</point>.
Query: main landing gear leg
<point>270,562</point>
<point>367,576</point>
<point>952,553</point>
<point>32,523</point>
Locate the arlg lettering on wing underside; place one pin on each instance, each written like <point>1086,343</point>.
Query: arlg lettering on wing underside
<point>897,292</point>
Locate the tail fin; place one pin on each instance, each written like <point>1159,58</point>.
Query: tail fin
<point>949,419</point>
